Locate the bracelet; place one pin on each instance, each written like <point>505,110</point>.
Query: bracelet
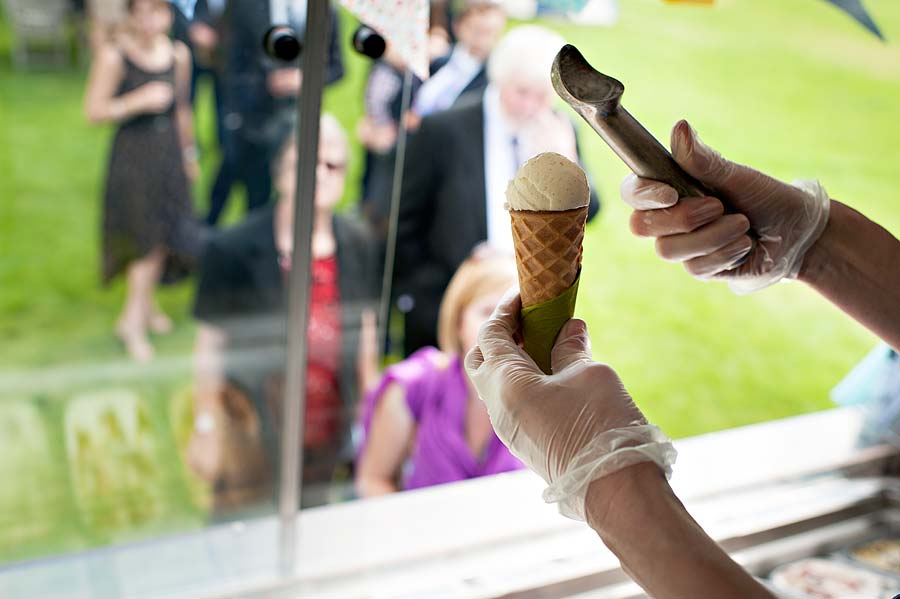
<point>204,423</point>
<point>117,109</point>
<point>190,153</point>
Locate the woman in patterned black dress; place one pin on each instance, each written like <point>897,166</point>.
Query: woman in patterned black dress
<point>142,83</point>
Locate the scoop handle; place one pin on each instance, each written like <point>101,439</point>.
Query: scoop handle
<point>648,158</point>
<point>644,155</point>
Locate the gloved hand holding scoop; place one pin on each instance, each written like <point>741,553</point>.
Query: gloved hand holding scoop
<point>597,98</point>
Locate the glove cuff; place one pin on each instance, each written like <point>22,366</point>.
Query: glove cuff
<point>818,210</point>
<point>813,221</point>
<point>605,454</point>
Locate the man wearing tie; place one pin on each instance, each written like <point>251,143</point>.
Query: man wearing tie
<point>457,168</point>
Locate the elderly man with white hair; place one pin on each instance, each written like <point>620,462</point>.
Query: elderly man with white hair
<point>457,168</point>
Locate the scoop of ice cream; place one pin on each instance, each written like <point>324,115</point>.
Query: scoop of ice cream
<point>548,181</point>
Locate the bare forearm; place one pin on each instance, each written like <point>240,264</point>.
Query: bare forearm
<point>659,545</point>
<point>113,110</point>
<point>368,486</point>
<point>185,118</point>
<point>389,438</point>
<point>209,367</point>
<point>856,266</point>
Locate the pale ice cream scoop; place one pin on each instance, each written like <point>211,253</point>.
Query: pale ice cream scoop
<point>548,182</point>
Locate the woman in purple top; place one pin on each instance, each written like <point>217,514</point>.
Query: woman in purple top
<point>424,423</point>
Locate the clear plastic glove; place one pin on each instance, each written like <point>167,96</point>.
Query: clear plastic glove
<point>787,218</point>
<point>572,427</point>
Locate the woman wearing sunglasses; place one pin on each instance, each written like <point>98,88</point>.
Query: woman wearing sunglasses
<point>242,307</point>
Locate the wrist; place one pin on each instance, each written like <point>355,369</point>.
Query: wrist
<point>117,109</point>
<point>819,257</point>
<point>190,153</point>
<point>204,423</point>
<point>612,502</point>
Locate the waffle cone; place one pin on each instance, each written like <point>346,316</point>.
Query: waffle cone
<point>548,251</point>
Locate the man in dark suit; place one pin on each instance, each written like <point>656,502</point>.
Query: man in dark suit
<point>458,165</point>
<point>259,96</point>
<point>463,71</point>
<point>478,28</point>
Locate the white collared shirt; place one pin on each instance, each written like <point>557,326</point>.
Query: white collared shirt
<point>500,164</point>
<point>441,90</point>
<point>291,12</point>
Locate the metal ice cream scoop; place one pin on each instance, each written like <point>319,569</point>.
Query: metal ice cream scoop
<point>597,98</point>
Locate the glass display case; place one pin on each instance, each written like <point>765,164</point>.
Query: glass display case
<point>187,457</point>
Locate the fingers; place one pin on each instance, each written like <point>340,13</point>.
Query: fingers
<point>474,359</point>
<point>647,194</point>
<point>740,185</point>
<point>687,215</point>
<point>572,345</point>
<point>703,241</point>
<point>698,159</point>
<point>508,309</point>
<point>495,338</point>
<point>687,228</point>
<point>725,258</point>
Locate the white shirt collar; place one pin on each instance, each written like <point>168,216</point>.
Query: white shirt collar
<point>499,169</point>
<point>440,91</point>
<point>463,61</point>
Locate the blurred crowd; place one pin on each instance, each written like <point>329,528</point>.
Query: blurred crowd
<point>486,108</point>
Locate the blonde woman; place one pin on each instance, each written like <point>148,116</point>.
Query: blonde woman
<point>424,423</point>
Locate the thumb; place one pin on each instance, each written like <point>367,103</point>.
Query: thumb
<point>698,159</point>
<point>474,360</point>
<point>572,345</point>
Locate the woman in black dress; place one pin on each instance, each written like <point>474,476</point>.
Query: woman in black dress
<point>142,83</point>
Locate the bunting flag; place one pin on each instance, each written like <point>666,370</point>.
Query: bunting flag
<point>402,23</point>
<point>855,9</point>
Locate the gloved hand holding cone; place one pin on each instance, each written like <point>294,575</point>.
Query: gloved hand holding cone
<point>548,204</point>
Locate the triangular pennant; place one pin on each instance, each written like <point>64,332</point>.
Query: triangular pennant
<point>402,23</point>
<point>855,9</point>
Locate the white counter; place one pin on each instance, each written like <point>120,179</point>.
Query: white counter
<point>488,537</point>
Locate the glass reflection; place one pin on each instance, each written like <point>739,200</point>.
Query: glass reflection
<point>241,337</point>
<point>152,403</point>
<point>168,416</point>
<point>102,416</point>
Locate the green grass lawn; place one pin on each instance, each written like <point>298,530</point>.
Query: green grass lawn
<point>791,86</point>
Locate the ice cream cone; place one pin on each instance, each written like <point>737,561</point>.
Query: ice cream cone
<point>548,205</point>
<point>548,251</point>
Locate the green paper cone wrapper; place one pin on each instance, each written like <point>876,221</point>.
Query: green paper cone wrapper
<point>542,322</point>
